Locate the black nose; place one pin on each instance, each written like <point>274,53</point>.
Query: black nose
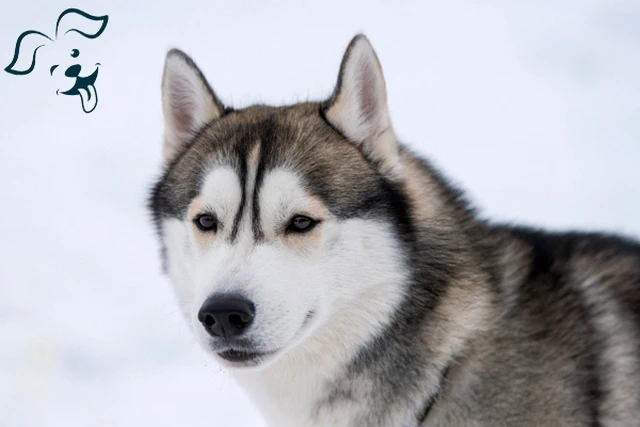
<point>73,71</point>
<point>226,316</point>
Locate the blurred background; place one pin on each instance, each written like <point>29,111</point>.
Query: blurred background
<point>533,107</point>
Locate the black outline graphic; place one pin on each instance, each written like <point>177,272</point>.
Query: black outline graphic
<point>84,85</point>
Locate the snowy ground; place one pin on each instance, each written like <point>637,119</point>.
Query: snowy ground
<point>534,106</point>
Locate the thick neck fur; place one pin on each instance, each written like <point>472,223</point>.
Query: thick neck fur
<point>381,361</point>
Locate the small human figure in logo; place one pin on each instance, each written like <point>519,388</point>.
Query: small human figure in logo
<point>80,76</point>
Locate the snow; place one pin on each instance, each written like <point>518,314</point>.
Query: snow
<point>534,107</point>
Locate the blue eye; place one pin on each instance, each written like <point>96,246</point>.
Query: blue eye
<point>75,53</point>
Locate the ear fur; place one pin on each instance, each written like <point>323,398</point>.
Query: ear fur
<point>188,102</point>
<point>358,106</point>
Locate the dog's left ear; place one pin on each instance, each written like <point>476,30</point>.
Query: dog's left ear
<point>188,102</point>
<point>358,106</point>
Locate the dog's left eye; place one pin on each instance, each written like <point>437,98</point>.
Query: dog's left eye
<point>301,224</point>
<point>206,222</point>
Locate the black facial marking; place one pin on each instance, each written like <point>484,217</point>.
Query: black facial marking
<point>269,132</point>
<point>53,68</point>
<point>241,153</point>
<point>257,230</point>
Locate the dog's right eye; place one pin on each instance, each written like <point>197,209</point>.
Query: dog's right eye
<point>206,222</point>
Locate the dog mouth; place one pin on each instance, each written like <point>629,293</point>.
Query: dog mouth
<point>85,88</point>
<point>244,358</point>
<point>241,357</point>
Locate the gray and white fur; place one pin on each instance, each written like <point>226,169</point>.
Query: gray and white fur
<point>343,281</point>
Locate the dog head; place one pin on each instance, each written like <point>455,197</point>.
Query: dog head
<point>78,73</point>
<point>278,222</point>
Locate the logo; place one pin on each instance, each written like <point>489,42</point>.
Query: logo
<point>82,77</point>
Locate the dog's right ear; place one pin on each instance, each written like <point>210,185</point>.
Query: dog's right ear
<point>188,102</point>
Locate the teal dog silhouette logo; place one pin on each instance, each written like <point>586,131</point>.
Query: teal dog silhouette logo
<point>72,26</point>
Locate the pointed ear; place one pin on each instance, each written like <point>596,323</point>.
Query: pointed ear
<point>188,102</point>
<point>358,106</point>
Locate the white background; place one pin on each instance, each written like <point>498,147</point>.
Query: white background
<point>532,106</point>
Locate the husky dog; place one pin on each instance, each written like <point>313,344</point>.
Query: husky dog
<point>344,282</point>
